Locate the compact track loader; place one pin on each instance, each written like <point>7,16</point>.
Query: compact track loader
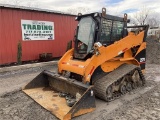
<point>107,61</point>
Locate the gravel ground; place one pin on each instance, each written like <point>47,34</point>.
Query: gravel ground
<point>142,103</point>
<point>16,105</point>
<point>11,81</point>
<point>153,48</point>
<point>147,107</point>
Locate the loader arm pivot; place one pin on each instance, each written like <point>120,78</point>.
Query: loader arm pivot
<point>109,52</point>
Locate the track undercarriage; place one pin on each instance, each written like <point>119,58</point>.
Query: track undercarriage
<point>120,81</point>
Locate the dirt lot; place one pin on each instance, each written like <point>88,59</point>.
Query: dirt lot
<point>14,104</point>
<point>153,48</point>
<point>142,103</point>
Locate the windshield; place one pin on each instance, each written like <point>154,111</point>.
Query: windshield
<point>86,34</point>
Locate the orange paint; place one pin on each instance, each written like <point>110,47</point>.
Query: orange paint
<point>106,54</point>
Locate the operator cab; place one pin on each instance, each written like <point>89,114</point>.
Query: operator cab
<point>97,27</point>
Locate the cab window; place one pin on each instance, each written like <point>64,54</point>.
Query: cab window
<point>117,30</point>
<point>106,31</point>
<point>111,31</point>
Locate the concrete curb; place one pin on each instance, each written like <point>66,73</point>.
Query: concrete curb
<point>22,67</point>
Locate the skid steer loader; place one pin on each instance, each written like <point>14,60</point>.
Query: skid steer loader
<point>107,61</point>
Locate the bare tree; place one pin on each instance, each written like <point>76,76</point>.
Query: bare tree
<point>75,11</point>
<point>145,16</point>
<point>153,22</point>
<point>140,17</point>
<point>154,19</point>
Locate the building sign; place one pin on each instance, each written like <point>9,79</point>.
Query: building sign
<point>37,30</point>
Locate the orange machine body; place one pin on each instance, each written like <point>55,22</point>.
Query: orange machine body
<point>108,57</point>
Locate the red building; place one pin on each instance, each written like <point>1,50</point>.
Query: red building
<point>38,30</point>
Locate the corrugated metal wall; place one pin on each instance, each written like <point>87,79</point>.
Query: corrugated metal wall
<point>10,34</point>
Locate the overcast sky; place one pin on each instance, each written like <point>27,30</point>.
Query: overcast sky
<point>113,6</point>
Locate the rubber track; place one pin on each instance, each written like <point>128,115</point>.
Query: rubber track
<point>101,85</point>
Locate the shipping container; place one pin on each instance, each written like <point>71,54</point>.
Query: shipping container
<point>13,19</point>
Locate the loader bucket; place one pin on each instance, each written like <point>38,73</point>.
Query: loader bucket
<point>45,88</point>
